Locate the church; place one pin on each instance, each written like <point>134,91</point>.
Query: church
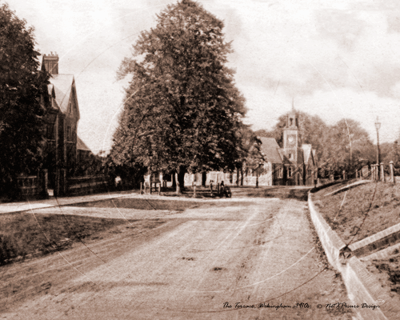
<point>293,164</point>
<point>299,163</point>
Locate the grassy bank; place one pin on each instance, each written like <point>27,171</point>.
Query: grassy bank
<point>25,235</point>
<point>362,211</point>
<point>387,271</point>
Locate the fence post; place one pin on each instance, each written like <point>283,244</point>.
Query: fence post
<point>43,183</point>
<point>141,187</point>
<point>159,188</point>
<point>194,191</point>
<point>331,177</point>
<point>392,178</point>
<point>373,172</point>
<point>382,172</point>
<point>64,181</point>
<point>57,183</point>
<point>344,174</point>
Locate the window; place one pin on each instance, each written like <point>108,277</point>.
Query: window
<point>69,134</point>
<point>289,172</point>
<point>290,156</point>
<point>50,131</point>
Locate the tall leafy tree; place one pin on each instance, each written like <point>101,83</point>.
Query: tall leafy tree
<point>21,111</point>
<point>182,109</point>
<point>346,146</point>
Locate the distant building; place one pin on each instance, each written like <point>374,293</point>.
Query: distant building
<point>299,162</point>
<point>63,145</point>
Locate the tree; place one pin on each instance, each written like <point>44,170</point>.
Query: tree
<point>182,110</point>
<point>347,146</point>
<point>21,88</point>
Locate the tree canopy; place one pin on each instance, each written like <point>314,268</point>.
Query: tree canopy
<point>21,85</point>
<point>182,109</point>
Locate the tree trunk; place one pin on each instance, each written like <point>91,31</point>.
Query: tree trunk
<point>180,177</point>
<point>203,178</point>
<point>173,180</point>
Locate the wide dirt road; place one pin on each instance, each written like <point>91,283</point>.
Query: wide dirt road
<point>213,260</point>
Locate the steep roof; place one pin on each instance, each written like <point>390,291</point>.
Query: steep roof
<point>63,87</point>
<point>51,92</point>
<point>306,151</point>
<point>80,145</point>
<point>270,149</point>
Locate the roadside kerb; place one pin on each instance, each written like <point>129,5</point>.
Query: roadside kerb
<point>361,287</point>
<point>330,241</point>
<point>377,241</point>
<point>382,254</point>
<point>349,186</point>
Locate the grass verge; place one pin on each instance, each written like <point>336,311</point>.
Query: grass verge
<point>361,211</point>
<point>25,235</point>
<point>387,271</point>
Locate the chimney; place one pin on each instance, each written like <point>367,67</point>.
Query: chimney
<point>50,63</point>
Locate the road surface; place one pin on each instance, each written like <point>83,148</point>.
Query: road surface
<point>232,259</point>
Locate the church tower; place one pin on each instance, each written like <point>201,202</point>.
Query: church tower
<point>291,136</point>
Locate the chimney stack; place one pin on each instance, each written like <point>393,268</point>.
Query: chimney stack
<point>50,63</point>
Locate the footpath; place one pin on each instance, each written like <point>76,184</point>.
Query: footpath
<point>282,192</point>
<point>62,201</point>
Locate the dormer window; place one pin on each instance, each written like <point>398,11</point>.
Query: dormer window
<point>290,156</point>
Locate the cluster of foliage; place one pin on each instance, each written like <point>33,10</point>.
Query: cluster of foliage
<point>342,146</point>
<point>21,88</point>
<point>182,110</point>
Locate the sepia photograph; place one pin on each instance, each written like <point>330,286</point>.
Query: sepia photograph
<point>200,159</point>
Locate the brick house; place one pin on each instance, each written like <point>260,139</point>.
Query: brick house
<point>62,142</point>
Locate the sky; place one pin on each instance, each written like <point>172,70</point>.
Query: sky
<point>336,59</point>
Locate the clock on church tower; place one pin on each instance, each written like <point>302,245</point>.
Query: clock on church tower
<point>291,131</point>
<point>291,140</point>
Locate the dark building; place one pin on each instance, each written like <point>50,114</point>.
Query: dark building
<point>62,144</point>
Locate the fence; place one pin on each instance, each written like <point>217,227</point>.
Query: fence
<point>33,186</point>
<point>384,173</point>
<point>88,184</point>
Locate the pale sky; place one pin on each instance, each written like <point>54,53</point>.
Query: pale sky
<point>336,59</point>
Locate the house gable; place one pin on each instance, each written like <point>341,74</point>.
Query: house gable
<point>73,107</point>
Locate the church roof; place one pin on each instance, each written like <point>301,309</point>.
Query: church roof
<point>80,145</point>
<point>306,151</point>
<point>270,149</point>
<point>63,88</point>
